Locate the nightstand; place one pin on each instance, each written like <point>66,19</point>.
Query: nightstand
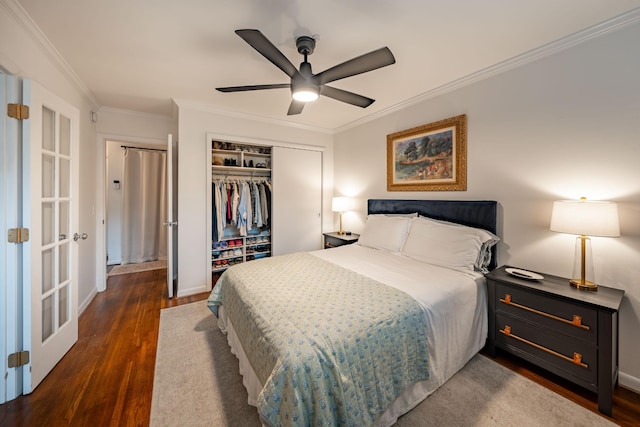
<point>567,331</point>
<point>332,240</point>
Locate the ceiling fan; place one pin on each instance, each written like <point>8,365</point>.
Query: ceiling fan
<point>306,86</point>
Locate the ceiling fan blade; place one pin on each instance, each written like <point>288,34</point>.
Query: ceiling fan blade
<point>295,107</point>
<point>363,63</point>
<point>253,87</point>
<point>345,96</point>
<point>260,43</point>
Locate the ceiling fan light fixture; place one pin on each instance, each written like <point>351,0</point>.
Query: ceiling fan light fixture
<point>306,86</point>
<point>305,93</point>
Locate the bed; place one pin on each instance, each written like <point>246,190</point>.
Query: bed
<point>360,334</point>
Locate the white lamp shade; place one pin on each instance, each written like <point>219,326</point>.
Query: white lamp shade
<point>588,218</point>
<point>340,204</point>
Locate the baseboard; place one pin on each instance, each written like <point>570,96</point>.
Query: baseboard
<point>192,291</point>
<point>627,381</point>
<point>82,307</point>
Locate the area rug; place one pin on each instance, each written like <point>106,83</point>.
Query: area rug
<point>135,268</point>
<point>197,383</point>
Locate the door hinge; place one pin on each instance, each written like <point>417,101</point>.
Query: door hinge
<point>18,235</point>
<point>18,359</point>
<point>18,111</point>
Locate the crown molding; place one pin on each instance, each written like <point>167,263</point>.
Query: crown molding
<point>183,103</point>
<point>20,15</point>
<point>614,24</point>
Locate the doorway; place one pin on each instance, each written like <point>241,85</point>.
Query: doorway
<point>135,206</point>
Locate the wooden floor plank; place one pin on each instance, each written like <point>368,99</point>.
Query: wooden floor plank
<point>107,376</point>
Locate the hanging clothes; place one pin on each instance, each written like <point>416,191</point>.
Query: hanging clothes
<point>241,202</point>
<point>263,203</point>
<point>223,204</point>
<point>257,209</point>
<point>235,201</point>
<point>268,192</point>
<point>219,210</point>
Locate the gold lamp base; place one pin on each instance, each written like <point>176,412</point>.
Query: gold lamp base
<point>585,268</point>
<point>584,285</point>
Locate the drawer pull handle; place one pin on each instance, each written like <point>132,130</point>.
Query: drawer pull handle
<point>577,357</point>
<point>576,321</point>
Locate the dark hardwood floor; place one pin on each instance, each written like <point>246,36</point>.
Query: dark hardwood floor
<point>106,379</point>
<point>107,376</point>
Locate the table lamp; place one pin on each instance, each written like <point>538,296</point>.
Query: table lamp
<point>585,218</point>
<point>340,204</point>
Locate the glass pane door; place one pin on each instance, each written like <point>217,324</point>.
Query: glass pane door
<point>55,200</point>
<point>51,177</point>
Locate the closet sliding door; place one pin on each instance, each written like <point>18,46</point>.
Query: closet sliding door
<point>296,200</point>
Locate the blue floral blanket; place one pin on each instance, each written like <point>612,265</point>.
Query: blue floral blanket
<point>330,346</point>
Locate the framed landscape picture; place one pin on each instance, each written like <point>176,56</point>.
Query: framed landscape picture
<point>432,157</point>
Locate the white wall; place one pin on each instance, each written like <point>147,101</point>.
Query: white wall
<point>134,126</point>
<point>195,121</point>
<point>562,127</point>
<point>26,54</point>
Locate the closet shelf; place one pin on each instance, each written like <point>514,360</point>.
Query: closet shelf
<point>236,152</point>
<point>239,169</point>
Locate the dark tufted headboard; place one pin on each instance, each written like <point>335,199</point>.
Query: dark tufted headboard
<point>473,213</point>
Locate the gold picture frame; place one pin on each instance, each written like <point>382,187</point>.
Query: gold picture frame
<point>431,157</point>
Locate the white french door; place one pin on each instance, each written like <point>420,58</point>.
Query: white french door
<point>50,211</point>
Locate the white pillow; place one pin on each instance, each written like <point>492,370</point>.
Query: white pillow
<point>385,232</point>
<point>484,257</point>
<point>447,245</point>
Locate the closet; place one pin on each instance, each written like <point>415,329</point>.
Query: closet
<point>240,203</point>
<point>286,180</point>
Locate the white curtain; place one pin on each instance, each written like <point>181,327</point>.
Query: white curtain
<point>144,238</point>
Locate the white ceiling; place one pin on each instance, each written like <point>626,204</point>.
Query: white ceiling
<point>140,54</point>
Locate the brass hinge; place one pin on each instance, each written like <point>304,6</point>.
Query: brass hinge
<point>18,235</point>
<point>18,111</point>
<point>18,359</point>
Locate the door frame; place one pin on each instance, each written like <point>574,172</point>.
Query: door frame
<point>101,199</point>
